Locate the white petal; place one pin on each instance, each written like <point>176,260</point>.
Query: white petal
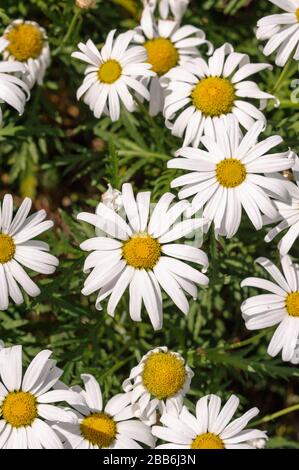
<point>11,367</point>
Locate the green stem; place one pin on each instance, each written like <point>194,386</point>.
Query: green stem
<point>71,27</point>
<point>282,75</point>
<point>117,366</point>
<point>276,415</point>
<point>287,104</point>
<point>246,342</point>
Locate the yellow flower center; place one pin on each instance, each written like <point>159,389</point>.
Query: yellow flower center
<point>163,375</point>
<point>292,304</point>
<point>297,14</point>
<point>7,248</point>
<point>230,172</point>
<point>25,42</point>
<point>109,71</point>
<point>99,429</point>
<point>162,55</point>
<point>207,440</point>
<point>142,251</point>
<point>19,409</point>
<point>214,96</point>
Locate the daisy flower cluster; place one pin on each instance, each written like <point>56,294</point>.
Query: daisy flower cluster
<point>207,102</point>
<point>38,411</point>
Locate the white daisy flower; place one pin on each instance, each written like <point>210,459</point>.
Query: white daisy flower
<point>94,426</point>
<point>17,248</point>
<point>141,255</point>
<point>281,31</point>
<point>175,8</point>
<point>28,44</point>
<point>279,307</point>
<point>13,90</point>
<point>86,4</point>
<point>229,175</point>
<point>200,92</point>
<point>210,428</point>
<point>167,45</point>
<point>1,344</point>
<point>288,214</point>
<point>159,382</point>
<point>110,74</point>
<point>258,443</point>
<point>26,401</point>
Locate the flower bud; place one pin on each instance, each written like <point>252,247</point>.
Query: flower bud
<point>112,198</point>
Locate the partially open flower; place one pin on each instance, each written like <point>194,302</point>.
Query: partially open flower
<point>28,44</point>
<point>85,4</point>
<point>112,198</point>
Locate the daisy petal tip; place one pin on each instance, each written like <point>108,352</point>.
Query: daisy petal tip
<point>158,327</point>
<point>81,216</point>
<point>260,259</point>
<point>84,291</point>
<point>205,269</point>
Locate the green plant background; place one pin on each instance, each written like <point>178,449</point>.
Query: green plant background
<point>61,156</point>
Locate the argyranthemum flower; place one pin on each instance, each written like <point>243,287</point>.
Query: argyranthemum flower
<point>200,92</point>
<point>281,31</point>
<point>288,215</point>
<point>211,428</point>
<point>141,255</point>
<point>13,90</point>
<point>167,45</point>
<point>279,307</point>
<point>94,426</point>
<point>175,8</point>
<point>111,73</point>
<point>229,175</point>
<point>26,401</point>
<point>17,248</point>
<point>159,382</point>
<point>28,44</point>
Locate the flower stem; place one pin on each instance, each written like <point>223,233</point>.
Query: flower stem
<point>276,415</point>
<point>282,76</point>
